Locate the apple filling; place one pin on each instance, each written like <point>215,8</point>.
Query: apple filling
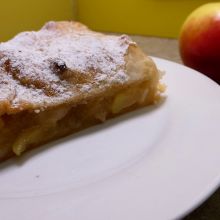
<point>26,130</point>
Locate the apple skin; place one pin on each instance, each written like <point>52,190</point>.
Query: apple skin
<point>199,40</point>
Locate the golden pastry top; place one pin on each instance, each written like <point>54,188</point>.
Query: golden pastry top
<point>63,62</point>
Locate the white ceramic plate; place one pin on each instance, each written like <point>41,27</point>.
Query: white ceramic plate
<point>156,163</point>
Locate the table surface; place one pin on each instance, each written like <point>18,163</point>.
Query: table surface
<point>168,49</point>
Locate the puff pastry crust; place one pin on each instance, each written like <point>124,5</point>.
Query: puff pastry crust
<point>64,78</point>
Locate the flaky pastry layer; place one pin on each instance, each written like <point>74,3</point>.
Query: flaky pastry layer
<point>64,78</point>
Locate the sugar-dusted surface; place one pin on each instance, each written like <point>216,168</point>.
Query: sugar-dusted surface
<point>57,63</point>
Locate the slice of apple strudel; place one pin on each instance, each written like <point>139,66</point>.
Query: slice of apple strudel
<point>64,78</point>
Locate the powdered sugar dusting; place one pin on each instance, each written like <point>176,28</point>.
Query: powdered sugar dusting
<point>59,61</point>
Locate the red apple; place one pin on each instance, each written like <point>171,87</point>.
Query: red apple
<point>199,40</point>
